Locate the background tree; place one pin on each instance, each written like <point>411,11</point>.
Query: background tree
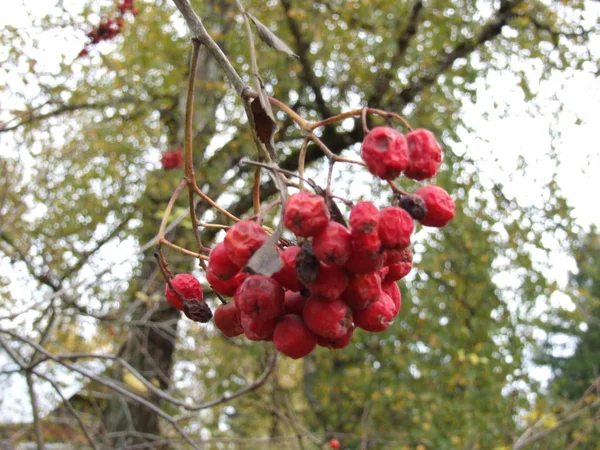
<point>455,361</point>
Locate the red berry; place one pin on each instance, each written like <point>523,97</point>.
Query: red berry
<point>391,288</point>
<point>330,283</point>
<point>260,296</point>
<point>395,227</point>
<point>440,206</point>
<point>397,271</point>
<point>258,329</point>
<point>333,245</point>
<point>425,154</point>
<point>242,240</point>
<point>188,286</point>
<point>364,219</point>
<point>385,151</point>
<point>220,264</point>
<point>377,316</point>
<point>330,320</point>
<point>363,290</point>
<point>334,444</point>
<point>172,159</point>
<point>293,303</point>
<point>227,320</point>
<point>336,344</point>
<point>287,276</point>
<point>364,261</point>
<point>306,214</point>
<point>292,338</point>
<point>225,287</point>
<point>367,243</point>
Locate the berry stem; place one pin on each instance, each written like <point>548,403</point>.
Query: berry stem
<point>184,250</point>
<point>396,189</point>
<point>256,190</point>
<point>363,116</point>
<point>302,161</point>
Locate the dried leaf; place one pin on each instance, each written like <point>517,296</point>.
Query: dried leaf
<point>269,38</point>
<point>307,264</point>
<point>264,123</point>
<point>266,260</point>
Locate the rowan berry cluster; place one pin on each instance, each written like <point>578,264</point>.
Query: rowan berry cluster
<point>172,159</point>
<point>335,277</point>
<point>109,28</point>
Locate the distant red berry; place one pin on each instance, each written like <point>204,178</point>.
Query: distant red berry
<point>227,320</point>
<point>333,245</point>
<point>385,151</point>
<point>172,159</point>
<point>220,264</point>
<point>306,214</point>
<point>377,316</point>
<point>287,276</point>
<point>260,296</point>
<point>188,286</point>
<point>242,240</point>
<point>330,283</point>
<point>395,227</point>
<point>330,320</point>
<point>440,206</point>
<point>425,154</point>
<point>292,338</point>
<point>334,444</point>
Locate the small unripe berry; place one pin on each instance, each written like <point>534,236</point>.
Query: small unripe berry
<point>440,206</point>
<point>385,151</point>
<point>242,240</point>
<point>425,154</point>
<point>306,214</point>
<point>188,286</point>
<point>292,338</point>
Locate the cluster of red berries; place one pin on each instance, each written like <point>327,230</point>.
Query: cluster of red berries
<point>172,159</point>
<point>109,29</point>
<point>340,277</point>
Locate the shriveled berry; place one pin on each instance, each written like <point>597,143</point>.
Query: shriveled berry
<point>227,320</point>
<point>398,264</point>
<point>306,214</point>
<point>197,311</point>
<point>188,286</point>
<point>292,338</point>
<point>307,264</point>
<point>336,344</point>
<point>395,228</point>
<point>333,245</point>
<point>414,205</point>
<point>220,264</point>
<point>293,303</point>
<point>363,290</point>
<point>425,154</point>
<point>364,218</point>
<point>391,288</point>
<point>440,206</point>
<point>242,240</point>
<point>260,296</point>
<point>256,328</point>
<point>385,151</point>
<point>330,320</point>
<point>330,283</point>
<point>377,316</point>
<point>225,287</point>
<point>287,276</point>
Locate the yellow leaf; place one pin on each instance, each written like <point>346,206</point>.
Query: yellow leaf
<point>134,382</point>
<point>550,421</point>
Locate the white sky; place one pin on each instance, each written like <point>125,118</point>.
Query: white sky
<point>497,143</point>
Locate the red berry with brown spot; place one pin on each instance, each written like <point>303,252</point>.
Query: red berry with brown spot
<point>385,151</point>
<point>293,303</point>
<point>364,261</point>
<point>260,296</point>
<point>391,288</point>
<point>395,228</point>
<point>227,320</point>
<point>328,319</point>
<point>306,214</point>
<point>378,315</point>
<point>363,290</point>
<point>399,265</point>
<point>440,206</point>
<point>292,338</point>
<point>333,245</point>
<point>257,328</point>
<point>188,286</point>
<point>364,219</point>
<point>287,276</point>
<point>242,240</point>
<point>330,283</point>
<point>336,344</point>
<point>225,287</point>
<point>220,264</point>
<point>425,154</point>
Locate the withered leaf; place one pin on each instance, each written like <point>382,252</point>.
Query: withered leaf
<point>264,122</point>
<point>269,38</point>
<point>266,260</point>
<point>307,264</point>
